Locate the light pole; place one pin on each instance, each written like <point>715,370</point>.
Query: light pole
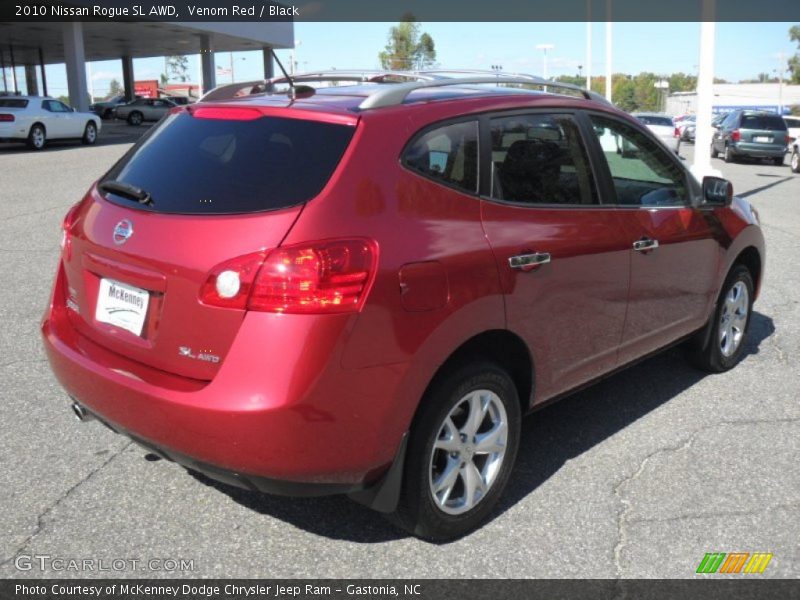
<point>293,59</point>
<point>231,61</point>
<point>781,70</point>
<point>663,86</point>
<point>544,48</point>
<point>497,70</point>
<point>588,44</point>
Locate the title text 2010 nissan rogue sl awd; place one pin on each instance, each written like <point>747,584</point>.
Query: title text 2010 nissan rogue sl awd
<point>363,289</point>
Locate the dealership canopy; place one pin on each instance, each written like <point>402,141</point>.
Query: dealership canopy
<point>32,44</point>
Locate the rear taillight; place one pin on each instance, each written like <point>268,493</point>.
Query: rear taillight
<point>331,276</point>
<point>228,284</point>
<point>6,118</point>
<point>677,132</point>
<point>66,227</point>
<point>788,139</point>
<point>736,135</point>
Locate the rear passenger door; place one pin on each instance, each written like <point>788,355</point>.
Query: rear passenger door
<point>674,246</point>
<point>562,256</point>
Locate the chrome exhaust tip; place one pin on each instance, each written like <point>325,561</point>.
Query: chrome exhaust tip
<point>81,413</point>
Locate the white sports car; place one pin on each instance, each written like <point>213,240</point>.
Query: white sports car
<point>37,119</point>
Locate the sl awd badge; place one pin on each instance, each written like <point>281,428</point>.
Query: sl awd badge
<point>204,356</point>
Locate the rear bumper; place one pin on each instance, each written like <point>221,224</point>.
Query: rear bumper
<point>268,420</point>
<point>758,150</point>
<point>250,482</point>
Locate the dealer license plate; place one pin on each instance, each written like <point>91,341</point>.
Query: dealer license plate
<point>122,305</point>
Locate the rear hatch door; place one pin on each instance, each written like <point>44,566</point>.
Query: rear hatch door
<point>219,186</point>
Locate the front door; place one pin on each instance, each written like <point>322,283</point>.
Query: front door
<point>562,256</point>
<point>674,253</point>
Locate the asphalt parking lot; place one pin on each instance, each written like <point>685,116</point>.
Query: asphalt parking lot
<point>638,476</point>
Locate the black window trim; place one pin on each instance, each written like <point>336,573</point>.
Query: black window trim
<point>439,125</point>
<point>486,158</point>
<point>604,172</point>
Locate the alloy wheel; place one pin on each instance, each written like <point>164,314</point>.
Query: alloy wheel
<point>37,137</point>
<point>468,452</point>
<point>733,318</point>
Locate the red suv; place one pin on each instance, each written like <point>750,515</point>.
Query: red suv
<point>362,289</point>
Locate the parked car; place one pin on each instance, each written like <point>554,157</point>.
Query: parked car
<point>363,290</point>
<point>36,119</point>
<point>686,128</point>
<point>144,109</point>
<point>794,162</point>
<point>661,125</point>
<point>751,134</point>
<point>179,100</point>
<point>793,127</point>
<point>105,109</point>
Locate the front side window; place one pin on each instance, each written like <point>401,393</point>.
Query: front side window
<point>540,159</point>
<point>643,173</point>
<point>448,154</point>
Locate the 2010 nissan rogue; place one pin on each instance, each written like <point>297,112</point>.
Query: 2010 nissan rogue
<point>363,288</point>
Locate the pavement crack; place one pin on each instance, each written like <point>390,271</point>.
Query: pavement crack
<point>622,515</point>
<point>622,539</point>
<point>41,517</point>
<point>720,513</point>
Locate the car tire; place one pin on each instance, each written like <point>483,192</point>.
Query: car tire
<point>721,348</point>
<point>444,448</point>
<point>795,162</point>
<point>135,118</point>
<point>89,134</point>
<point>107,114</point>
<point>728,155</point>
<point>778,161</point>
<point>37,137</point>
<point>714,153</point>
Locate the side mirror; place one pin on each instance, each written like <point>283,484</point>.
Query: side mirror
<point>717,191</point>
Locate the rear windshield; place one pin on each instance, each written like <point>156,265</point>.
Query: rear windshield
<point>217,166</point>
<point>13,103</point>
<point>772,122</point>
<point>653,120</point>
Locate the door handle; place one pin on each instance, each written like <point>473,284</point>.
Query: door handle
<point>645,245</point>
<point>528,262</point>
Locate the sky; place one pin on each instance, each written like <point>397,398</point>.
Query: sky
<point>742,50</point>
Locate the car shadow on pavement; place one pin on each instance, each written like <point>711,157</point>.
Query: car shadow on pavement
<point>550,437</point>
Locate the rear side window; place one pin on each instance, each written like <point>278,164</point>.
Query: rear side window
<point>13,103</point>
<point>540,159</point>
<point>447,154</point>
<point>654,120</point>
<point>769,122</point>
<point>216,166</point>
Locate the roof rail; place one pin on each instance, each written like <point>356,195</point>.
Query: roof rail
<point>234,90</point>
<point>396,94</point>
<point>364,76</point>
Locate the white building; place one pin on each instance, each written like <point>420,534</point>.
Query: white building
<point>732,96</point>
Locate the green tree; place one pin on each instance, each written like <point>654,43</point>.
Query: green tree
<point>407,48</point>
<point>115,88</point>
<point>178,67</point>
<point>794,61</point>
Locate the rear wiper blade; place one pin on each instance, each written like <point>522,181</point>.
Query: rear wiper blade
<point>126,189</point>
